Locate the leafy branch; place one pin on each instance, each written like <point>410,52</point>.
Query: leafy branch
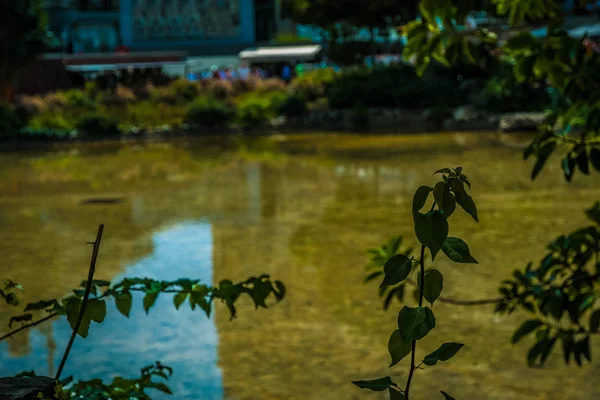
<point>431,229</point>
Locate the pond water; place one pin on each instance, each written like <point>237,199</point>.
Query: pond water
<point>302,209</point>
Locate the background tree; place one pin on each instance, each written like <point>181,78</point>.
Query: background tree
<point>23,37</point>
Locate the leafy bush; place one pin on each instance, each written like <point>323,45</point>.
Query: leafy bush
<point>292,106</point>
<point>313,84</point>
<point>51,121</point>
<point>56,101</point>
<point>207,111</point>
<point>184,90</point>
<point>96,125</point>
<point>10,122</point>
<point>31,105</point>
<point>271,85</point>
<point>220,90</point>
<point>241,86</point>
<point>254,112</point>
<point>119,97</point>
<point>78,99</point>
<point>163,95</point>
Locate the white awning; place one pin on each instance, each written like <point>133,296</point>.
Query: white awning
<point>276,54</point>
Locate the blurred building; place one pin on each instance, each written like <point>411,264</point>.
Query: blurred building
<point>199,27</point>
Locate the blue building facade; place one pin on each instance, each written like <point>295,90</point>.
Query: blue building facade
<point>196,26</point>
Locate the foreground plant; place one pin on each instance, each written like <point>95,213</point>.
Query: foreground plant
<point>414,323</point>
<point>560,294</point>
<point>88,304</point>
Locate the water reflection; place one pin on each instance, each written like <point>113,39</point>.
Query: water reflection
<point>184,340</point>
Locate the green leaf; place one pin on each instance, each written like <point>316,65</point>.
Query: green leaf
<point>95,310</point>
<point>595,158</point>
<point>447,396</point>
<point>592,213</point>
<point>179,298</point>
<point>434,283</point>
<point>542,155</point>
<point>444,199</point>
<point>396,270</point>
<point>443,353</point>
<point>595,321</point>
<point>149,300</point>
<point>415,323</point>
<point>198,297</point>
<point>71,305</point>
<point>431,230</point>
<point>398,348</point>
<point>123,303</point>
<point>159,386</point>
<point>40,305</point>
<point>443,171</point>
<point>458,251</point>
<point>377,385</point>
<point>419,199</point>
<point>526,328</point>
<point>396,394</point>
<point>467,204</point>
<point>568,165</point>
<point>541,350</point>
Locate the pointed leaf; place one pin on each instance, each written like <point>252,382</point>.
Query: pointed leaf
<point>96,310</point>
<point>179,298</point>
<point>415,323</point>
<point>398,348</point>
<point>434,283</point>
<point>396,270</point>
<point>377,385</point>
<point>149,300</point>
<point>595,158</point>
<point>443,353</point>
<point>419,199</point>
<point>595,321</point>
<point>458,251</point>
<point>467,203</point>
<point>447,396</point>
<point>444,199</point>
<point>443,171</point>
<point>526,328</point>
<point>396,394</point>
<point>431,230</point>
<point>123,303</point>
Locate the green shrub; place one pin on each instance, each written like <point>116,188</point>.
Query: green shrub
<point>271,85</point>
<point>51,121</point>
<point>164,95</point>
<point>254,112</point>
<point>96,125</point>
<point>184,90</point>
<point>121,96</point>
<point>10,123</point>
<point>207,111</point>
<point>313,84</point>
<point>220,90</point>
<point>293,105</point>
<point>78,99</point>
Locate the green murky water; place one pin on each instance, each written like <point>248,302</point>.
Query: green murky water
<point>303,209</point>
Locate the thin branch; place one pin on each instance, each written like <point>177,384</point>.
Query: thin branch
<point>414,342</point>
<point>455,302</point>
<point>22,328</point>
<point>86,296</point>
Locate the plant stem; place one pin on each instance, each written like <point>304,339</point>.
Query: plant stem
<point>86,296</point>
<point>414,343</point>
<point>31,325</point>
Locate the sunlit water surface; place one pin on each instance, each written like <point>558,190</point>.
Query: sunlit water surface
<point>303,209</point>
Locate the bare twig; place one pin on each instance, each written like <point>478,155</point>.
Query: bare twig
<point>31,325</point>
<point>456,302</point>
<point>86,295</point>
